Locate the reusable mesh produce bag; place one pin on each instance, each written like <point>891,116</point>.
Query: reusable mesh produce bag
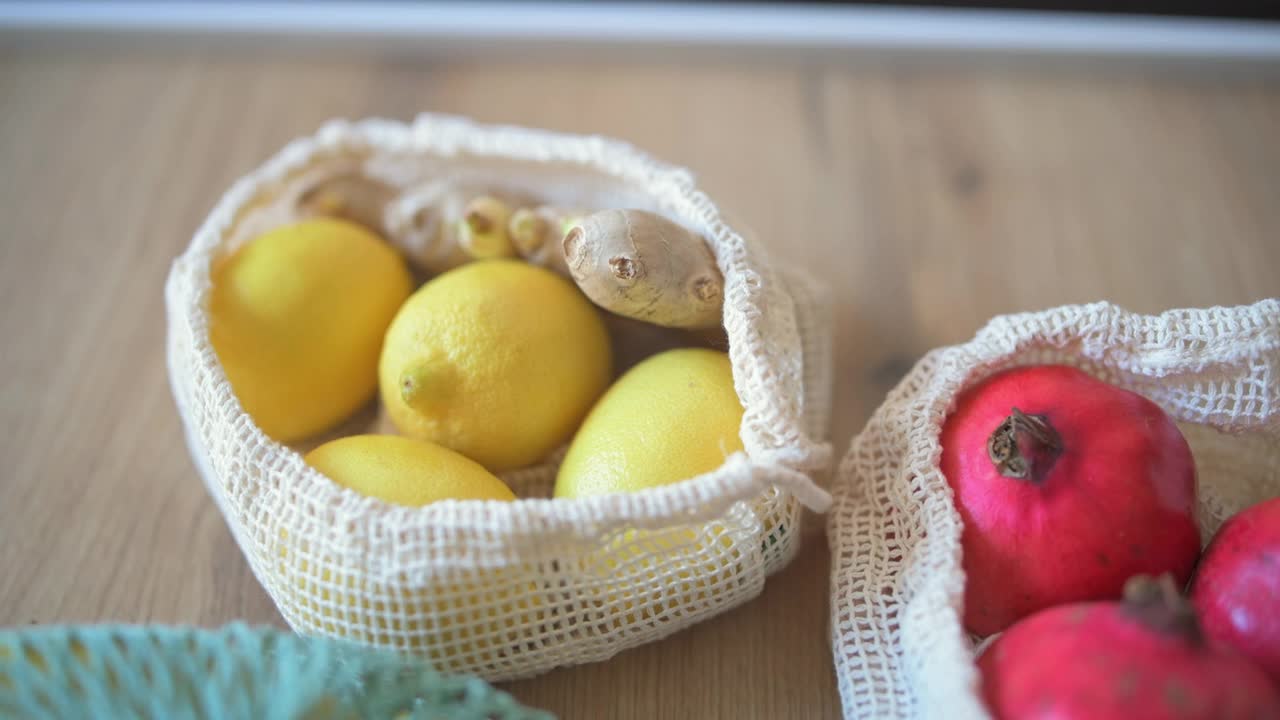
<point>173,673</point>
<point>511,589</point>
<point>897,585</point>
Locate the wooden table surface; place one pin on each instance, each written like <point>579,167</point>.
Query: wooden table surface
<point>929,193</point>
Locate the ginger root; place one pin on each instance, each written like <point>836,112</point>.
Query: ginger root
<point>335,188</point>
<point>421,220</point>
<point>443,224</point>
<point>483,233</point>
<point>641,265</point>
<point>439,224</point>
<point>351,196</point>
<point>536,234</point>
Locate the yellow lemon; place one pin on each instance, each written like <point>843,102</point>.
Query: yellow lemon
<point>462,622</point>
<point>650,575</point>
<point>670,418</point>
<point>404,471</point>
<point>498,360</point>
<point>297,317</point>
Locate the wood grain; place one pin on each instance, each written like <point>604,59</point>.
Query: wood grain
<point>928,193</point>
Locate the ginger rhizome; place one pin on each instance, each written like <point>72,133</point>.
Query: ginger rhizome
<point>643,266</point>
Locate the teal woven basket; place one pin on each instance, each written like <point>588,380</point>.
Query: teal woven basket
<point>113,671</point>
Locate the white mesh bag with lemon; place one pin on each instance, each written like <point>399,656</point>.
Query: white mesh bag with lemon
<point>489,470</point>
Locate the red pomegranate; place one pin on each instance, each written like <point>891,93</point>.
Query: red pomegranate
<point>1067,487</point>
<point>1236,590</point>
<point>1141,658</point>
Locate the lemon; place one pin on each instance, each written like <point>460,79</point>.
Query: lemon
<point>404,471</point>
<point>498,360</point>
<point>461,621</point>
<point>671,417</point>
<point>647,575</point>
<point>297,317</point>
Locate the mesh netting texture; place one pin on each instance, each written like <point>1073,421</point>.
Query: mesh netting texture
<point>507,590</point>
<point>122,671</point>
<point>897,584</point>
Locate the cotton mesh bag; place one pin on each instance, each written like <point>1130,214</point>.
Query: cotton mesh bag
<point>237,671</point>
<point>900,648</point>
<point>504,590</point>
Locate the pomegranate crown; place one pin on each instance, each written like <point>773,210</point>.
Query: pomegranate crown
<point>1157,603</point>
<point>1024,446</point>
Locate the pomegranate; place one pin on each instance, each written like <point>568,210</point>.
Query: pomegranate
<point>1067,487</point>
<point>1236,589</point>
<point>1141,658</point>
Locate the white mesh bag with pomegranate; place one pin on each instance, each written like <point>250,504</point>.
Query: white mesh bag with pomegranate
<point>905,618</point>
